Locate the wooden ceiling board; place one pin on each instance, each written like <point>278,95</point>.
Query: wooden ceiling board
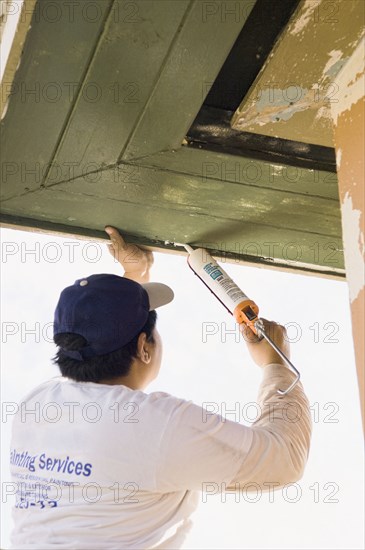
<point>76,164</point>
<point>54,61</point>
<point>181,200</point>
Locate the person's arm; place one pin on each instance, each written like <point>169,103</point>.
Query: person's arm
<point>279,439</point>
<point>281,436</point>
<point>135,261</point>
<point>201,449</point>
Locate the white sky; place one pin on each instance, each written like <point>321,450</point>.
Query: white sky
<point>325,509</point>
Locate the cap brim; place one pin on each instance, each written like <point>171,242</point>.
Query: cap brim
<point>158,294</point>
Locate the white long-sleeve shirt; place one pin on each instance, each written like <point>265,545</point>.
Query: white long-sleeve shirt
<point>96,466</point>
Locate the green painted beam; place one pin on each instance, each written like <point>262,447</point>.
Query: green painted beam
<point>259,219</point>
<point>206,164</point>
<point>98,235</point>
<point>55,58</point>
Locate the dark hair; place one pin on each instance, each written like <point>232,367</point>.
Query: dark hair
<point>102,367</point>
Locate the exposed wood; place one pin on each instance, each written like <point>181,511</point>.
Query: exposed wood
<point>292,96</point>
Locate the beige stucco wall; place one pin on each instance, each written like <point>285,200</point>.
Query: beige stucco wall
<point>349,122</point>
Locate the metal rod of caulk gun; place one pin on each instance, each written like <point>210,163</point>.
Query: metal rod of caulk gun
<point>260,329</point>
<point>260,333</point>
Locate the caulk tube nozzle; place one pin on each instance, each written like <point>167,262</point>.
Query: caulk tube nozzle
<point>187,247</point>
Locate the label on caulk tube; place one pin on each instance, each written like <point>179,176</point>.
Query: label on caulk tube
<point>216,279</point>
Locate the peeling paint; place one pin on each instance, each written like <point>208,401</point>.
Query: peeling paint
<point>309,55</point>
<point>324,112</point>
<point>5,109</point>
<point>302,148</point>
<point>333,65</point>
<point>274,105</point>
<point>267,111</point>
<point>338,158</point>
<point>307,12</point>
<point>334,57</point>
<point>354,248</point>
<point>351,83</point>
<point>276,170</point>
<point>258,208</point>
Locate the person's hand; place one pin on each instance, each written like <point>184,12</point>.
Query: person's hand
<point>261,351</point>
<point>135,261</point>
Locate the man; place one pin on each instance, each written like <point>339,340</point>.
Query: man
<point>105,465</point>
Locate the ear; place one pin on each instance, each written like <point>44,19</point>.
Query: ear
<point>143,352</point>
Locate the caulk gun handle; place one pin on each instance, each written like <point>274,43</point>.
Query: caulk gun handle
<point>260,328</point>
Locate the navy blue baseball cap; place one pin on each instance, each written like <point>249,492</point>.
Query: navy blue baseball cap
<point>107,310</point>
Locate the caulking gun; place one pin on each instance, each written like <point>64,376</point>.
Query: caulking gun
<point>233,299</point>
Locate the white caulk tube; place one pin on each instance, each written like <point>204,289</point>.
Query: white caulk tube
<point>231,296</point>
<point>222,286</point>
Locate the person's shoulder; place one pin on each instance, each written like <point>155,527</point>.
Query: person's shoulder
<point>44,386</point>
<point>161,396</point>
<point>165,402</point>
